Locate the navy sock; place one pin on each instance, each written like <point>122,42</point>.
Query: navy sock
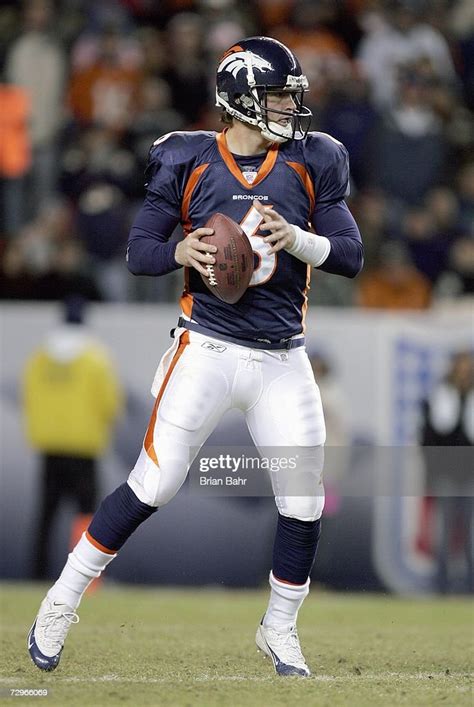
<point>117,517</point>
<point>294,551</point>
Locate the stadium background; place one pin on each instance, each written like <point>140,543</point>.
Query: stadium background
<point>86,94</point>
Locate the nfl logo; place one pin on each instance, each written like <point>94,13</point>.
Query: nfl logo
<point>250,176</point>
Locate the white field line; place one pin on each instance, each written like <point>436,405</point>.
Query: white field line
<point>387,676</point>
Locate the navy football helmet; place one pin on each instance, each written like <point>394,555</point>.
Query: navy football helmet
<point>250,70</point>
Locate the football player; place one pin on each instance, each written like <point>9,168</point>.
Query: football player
<point>286,187</point>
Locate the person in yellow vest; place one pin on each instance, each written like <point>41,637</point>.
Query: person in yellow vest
<point>71,400</point>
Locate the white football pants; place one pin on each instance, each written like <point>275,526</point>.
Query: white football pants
<point>199,378</point>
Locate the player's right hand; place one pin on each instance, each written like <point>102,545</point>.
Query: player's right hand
<point>190,252</point>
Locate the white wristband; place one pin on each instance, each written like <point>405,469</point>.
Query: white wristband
<point>309,247</point>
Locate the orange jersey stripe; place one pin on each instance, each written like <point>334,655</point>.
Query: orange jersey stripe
<point>304,308</point>
<point>307,182</point>
<point>233,167</point>
<point>187,300</point>
<point>186,303</point>
<point>99,545</point>
<point>188,192</point>
<point>148,443</point>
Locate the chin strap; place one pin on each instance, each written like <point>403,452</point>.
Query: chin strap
<point>269,132</point>
<point>273,132</point>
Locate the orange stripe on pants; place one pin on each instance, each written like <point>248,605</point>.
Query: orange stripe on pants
<point>148,443</point>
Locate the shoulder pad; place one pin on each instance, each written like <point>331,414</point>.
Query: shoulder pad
<point>323,148</point>
<point>179,146</point>
<point>328,162</point>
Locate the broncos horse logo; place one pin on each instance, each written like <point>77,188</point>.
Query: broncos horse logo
<point>235,61</point>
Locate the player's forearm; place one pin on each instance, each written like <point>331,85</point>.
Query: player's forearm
<point>346,256</point>
<point>342,254</point>
<point>149,250</point>
<point>147,257</point>
<point>309,247</point>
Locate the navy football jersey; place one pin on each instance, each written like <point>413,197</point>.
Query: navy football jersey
<point>194,175</point>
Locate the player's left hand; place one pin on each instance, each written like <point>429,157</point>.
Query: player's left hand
<point>282,233</point>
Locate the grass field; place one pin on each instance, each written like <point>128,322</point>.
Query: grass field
<point>196,648</point>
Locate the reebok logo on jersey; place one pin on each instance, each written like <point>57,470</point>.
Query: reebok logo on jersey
<point>243,197</point>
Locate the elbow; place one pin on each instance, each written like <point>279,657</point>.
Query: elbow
<point>133,264</point>
<point>356,262</point>
<point>356,266</point>
<point>132,267</point>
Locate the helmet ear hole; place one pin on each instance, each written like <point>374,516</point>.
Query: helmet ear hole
<point>247,101</point>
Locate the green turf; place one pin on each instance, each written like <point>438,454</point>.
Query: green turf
<point>196,648</point>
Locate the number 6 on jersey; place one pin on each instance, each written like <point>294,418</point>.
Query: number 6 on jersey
<point>266,264</point>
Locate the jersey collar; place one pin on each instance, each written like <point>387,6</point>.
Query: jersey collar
<point>264,170</point>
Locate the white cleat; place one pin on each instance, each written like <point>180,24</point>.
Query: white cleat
<point>48,633</point>
<point>284,649</point>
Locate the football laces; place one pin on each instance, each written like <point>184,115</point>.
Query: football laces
<point>212,277</point>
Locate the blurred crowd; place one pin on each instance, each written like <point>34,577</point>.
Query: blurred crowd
<point>86,87</point>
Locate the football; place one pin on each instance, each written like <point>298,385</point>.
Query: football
<point>230,275</point>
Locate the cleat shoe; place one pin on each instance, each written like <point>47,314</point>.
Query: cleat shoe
<point>284,650</point>
<point>48,633</point>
